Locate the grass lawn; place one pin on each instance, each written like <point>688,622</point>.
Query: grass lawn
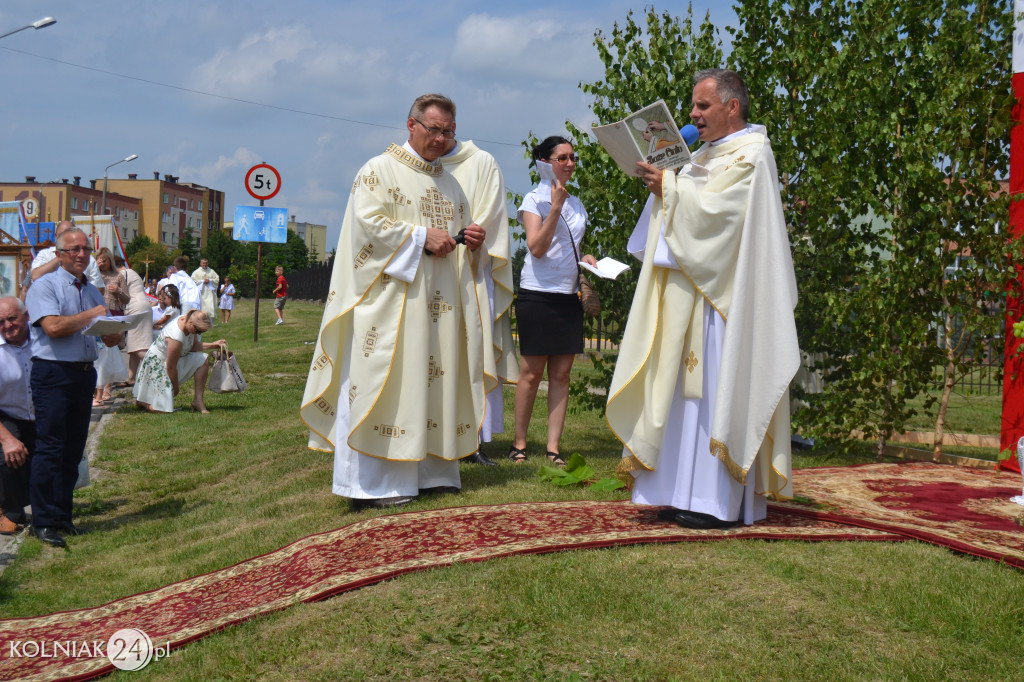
<point>182,494</point>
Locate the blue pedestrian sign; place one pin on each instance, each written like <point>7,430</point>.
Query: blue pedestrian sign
<point>261,224</point>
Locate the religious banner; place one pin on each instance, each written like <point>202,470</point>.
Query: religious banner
<point>11,221</point>
<point>102,231</point>
<point>1012,427</point>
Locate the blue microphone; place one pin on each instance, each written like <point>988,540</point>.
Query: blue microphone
<point>690,133</point>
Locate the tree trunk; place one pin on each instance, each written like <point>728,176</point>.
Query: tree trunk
<point>947,388</point>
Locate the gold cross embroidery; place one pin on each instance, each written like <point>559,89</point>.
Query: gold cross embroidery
<point>438,306</point>
<point>691,362</point>
<point>436,209</point>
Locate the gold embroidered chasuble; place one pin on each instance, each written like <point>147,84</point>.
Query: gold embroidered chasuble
<point>724,227</point>
<point>412,351</point>
<point>480,177</point>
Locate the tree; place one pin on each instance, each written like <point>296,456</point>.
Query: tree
<point>187,245</point>
<point>890,125</point>
<point>144,255</point>
<point>643,62</point>
<point>221,250</point>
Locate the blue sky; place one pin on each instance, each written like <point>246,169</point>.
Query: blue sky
<point>511,69</point>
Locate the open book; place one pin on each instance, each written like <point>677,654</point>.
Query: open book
<point>649,135</point>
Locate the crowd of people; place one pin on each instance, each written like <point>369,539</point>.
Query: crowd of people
<point>52,374</point>
<point>415,341</point>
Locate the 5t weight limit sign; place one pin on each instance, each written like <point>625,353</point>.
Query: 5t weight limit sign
<point>262,181</point>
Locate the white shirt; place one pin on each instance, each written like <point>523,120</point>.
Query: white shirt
<point>556,271</point>
<point>92,271</point>
<point>15,376</point>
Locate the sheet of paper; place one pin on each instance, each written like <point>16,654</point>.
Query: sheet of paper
<point>608,268</point>
<point>113,324</point>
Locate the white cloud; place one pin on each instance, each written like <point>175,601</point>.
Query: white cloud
<point>215,173</point>
<point>524,47</point>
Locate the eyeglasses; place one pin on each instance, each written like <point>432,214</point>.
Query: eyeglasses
<point>566,158</point>
<point>76,250</point>
<point>434,132</point>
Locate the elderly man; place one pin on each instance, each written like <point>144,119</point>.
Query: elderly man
<point>46,261</point>
<point>700,392</point>
<point>396,387</point>
<point>480,178</point>
<point>17,419</point>
<point>60,305</point>
<point>207,279</point>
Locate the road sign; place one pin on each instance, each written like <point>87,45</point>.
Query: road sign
<point>262,181</point>
<point>31,207</point>
<point>261,224</point>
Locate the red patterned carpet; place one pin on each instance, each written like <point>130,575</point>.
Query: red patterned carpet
<point>958,508</point>
<point>968,510</point>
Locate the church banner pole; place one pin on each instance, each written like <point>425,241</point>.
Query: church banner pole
<point>1012,427</point>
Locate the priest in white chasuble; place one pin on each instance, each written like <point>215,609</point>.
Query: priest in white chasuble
<point>207,279</point>
<point>396,386</point>
<point>480,178</point>
<point>700,395</point>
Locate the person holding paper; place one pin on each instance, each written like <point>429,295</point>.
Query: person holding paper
<point>549,316</point>
<point>699,397</point>
<point>60,305</point>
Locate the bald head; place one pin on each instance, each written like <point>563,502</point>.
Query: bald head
<point>13,320</point>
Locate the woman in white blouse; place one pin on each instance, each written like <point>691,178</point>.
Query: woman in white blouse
<point>549,317</point>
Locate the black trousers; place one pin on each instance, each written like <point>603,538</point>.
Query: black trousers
<point>14,482</point>
<point>62,395</point>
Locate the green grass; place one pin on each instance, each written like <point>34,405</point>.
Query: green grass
<point>183,494</point>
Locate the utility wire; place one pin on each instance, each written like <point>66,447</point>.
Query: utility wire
<point>224,97</point>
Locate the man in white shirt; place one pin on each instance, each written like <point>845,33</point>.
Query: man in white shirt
<point>46,262</point>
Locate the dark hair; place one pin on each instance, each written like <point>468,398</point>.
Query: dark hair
<point>728,86</point>
<point>172,293</point>
<point>543,150</point>
<point>181,263</point>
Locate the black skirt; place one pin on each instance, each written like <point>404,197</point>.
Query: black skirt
<point>549,323</point>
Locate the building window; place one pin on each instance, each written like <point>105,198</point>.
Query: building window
<point>200,204</point>
<point>136,214</point>
<point>74,203</point>
<point>166,198</point>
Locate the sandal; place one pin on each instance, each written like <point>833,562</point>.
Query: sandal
<point>98,402</point>
<point>517,455</point>
<point>556,459</point>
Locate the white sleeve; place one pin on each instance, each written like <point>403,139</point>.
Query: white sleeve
<point>407,259</point>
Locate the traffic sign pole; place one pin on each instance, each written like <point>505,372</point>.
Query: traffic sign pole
<point>261,182</point>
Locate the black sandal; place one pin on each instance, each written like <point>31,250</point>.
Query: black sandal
<point>517,455</point>
<point>556,459</point>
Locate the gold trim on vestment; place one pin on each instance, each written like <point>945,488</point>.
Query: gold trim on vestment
<point>721,451</point>
<point>406,158</point>
<point>627,465</point>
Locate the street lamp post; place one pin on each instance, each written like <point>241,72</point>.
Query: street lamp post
<point>103,207</point>
<point>42,23</point>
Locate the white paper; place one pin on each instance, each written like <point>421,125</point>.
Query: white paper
<point>546,171</point>
<point>609,268</point>
<point>114,324</point>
